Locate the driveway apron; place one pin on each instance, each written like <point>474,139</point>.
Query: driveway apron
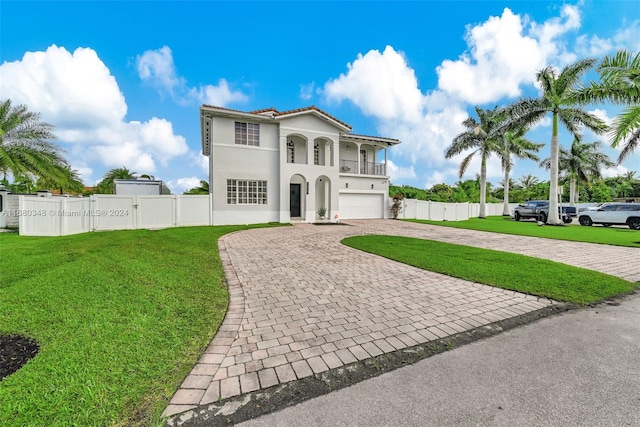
<point>302,303</point>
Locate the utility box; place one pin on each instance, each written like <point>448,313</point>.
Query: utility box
<point>140,187</point>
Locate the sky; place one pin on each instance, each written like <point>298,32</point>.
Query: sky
<point>122,82</point>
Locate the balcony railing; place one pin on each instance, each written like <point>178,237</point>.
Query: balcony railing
<point>366,168</point>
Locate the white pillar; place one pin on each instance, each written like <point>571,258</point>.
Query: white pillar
<point>385,161</point>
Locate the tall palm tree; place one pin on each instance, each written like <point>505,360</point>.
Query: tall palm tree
<point>581,163</point>
<point>620,75</point>
<point>25,146</point>
<point>514,143</point>
<point>561,97</point>
<point>481,136</point>
<point>107,184</point>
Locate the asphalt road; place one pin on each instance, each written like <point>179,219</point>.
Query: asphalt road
<point>580,368</point>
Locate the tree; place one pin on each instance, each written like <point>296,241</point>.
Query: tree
<point>106,186</point>
<point>482,137</point>
<point>203,189</point>
<point>514,143</point>
<point>620,83</point>
<point>581,163</point>
<point>25,147</point>
<point>65,180</point>
<point>562,98</point>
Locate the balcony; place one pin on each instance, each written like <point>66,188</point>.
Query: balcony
<point>366,168</point>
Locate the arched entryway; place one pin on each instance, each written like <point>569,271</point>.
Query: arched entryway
<point>297,193</point>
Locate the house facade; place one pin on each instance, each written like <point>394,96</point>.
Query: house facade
<point>273,166</point>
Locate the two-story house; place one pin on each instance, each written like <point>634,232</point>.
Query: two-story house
<point>283,166</point>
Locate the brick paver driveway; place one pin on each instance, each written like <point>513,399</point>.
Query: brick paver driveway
<point>302,303</point>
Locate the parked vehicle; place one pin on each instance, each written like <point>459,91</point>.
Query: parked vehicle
<point>539,210</point>
<point>613,214</point>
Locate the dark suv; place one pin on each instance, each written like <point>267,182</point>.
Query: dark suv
<point>613,214</point>
<point>539,210</point>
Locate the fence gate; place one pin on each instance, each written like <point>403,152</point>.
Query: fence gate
<point>114,212</point>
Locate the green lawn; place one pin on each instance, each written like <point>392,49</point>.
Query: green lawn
<point>501,269</point>
<point>617,236</point>
<point>121,317</point>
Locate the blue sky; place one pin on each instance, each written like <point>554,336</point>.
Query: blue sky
<point>123,81</point>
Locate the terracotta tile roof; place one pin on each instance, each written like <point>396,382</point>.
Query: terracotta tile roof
<point>277,113</point>
<point>355,135</point>
<point>265,110</point>
<point>222,108</point>
<point>312,108</point>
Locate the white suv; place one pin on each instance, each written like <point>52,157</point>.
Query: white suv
<point>613,213</point>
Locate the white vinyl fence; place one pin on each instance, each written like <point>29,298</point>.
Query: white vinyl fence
<point>60,216</point>
<point>436,211</point>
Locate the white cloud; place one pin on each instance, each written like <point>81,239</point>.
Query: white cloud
<point>77,93</point>
<point>505,53</point>
<point>181,185</point>
<point>544,123</point>
<point>381,84</point>
<point>614,171</point>
<point>306,91</point>
<point>69,89</point>
<point>602,115</point>
<point>399,173</point>
<point>627,37</point>
<point>158,69</point>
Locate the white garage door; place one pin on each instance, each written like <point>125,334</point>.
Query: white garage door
<point>361,206</point>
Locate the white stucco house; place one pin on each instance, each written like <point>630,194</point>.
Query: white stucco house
<point>284,166</point>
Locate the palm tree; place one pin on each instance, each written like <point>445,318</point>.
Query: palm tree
<point>621,84</point>
<point>561,96</point>
<point>514,144</point>
<point>582,163</point>
<point>203,189</point>
<point>106,186</point>
<point>527,183</point>
<point>480,136</point>
<point>25,149</point>
<point>66,179</point>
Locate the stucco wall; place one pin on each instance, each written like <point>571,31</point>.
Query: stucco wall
<point>234,161</point>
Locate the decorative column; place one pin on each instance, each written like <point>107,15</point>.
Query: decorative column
<point>385,161</point>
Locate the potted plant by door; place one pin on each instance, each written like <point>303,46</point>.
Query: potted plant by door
<point>322,212</point>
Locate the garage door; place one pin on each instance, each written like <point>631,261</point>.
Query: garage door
<point>361,206</point>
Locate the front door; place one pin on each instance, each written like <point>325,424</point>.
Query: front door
<point>294,200</point>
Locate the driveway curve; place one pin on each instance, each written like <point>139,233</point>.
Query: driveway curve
<point>302,303</point>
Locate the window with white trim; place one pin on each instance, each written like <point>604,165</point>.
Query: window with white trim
<point>316,154</point>
<point>248,134</point>
<point>246,192</point>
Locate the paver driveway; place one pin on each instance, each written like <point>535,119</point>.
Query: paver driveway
<point>302,303</point>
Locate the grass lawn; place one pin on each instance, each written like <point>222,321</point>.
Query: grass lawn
<point>595,234</point>
<point>121,317</point>
<point>501,269</point>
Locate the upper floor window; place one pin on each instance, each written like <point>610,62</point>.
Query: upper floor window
<point>248,134</point>
<point>316,154</point>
